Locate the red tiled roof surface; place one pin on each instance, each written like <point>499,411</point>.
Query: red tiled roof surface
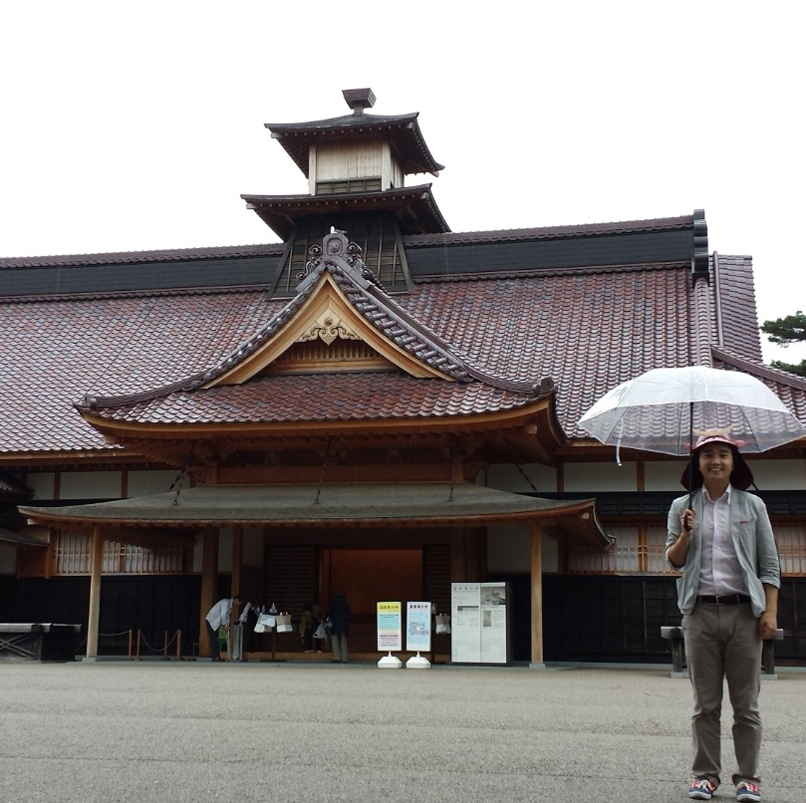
<point>326,397</point>
<point>735,295</point>
<point>56,351</point>
<point>588,330</point>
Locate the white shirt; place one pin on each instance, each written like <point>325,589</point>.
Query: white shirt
<point>720,573</point>
<point>220,613</point>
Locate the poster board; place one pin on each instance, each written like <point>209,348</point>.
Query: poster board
<point>389,626</point>
<point>418,627</point>
<point>480,623</point>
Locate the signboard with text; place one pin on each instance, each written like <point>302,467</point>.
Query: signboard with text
<point>390,630</point>
<point>480,628</point>
<point>418,626</point>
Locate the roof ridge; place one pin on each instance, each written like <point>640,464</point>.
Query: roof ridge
<point>128,257</point>
<point>766,371</point>
<point>641,267</point>
<point>547,232</point>
<point>100,296</point>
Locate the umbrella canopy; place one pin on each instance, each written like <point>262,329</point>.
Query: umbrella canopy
<point>663,409</point>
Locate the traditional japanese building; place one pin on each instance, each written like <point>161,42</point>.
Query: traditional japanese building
<point>376,405</point>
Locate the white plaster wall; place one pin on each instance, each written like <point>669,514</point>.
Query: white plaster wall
<point>607,476</point>
<point>8,559</point>
<point>506,477</point>
<point>509,549</point>
<point>43,484</point>
<point>778,475</point>
<point>90,485</point>
<point>664,475</point>
<point>146,483</point>
<point>224,551</point>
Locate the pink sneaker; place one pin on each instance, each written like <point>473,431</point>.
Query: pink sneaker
<point>746,791</point>
<point>702,788</point>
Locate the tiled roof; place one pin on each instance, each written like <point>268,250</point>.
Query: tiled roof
<point>403,129</point>
<point>736,300</point>
<point>588,330</point>
<point>56,351</point>
<point>790,388</point>
<point>370,301</point>
<point>337,398</point>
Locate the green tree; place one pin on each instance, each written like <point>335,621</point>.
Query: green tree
<point>785,332</point>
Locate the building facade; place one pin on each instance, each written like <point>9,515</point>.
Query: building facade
<point>376,405</point>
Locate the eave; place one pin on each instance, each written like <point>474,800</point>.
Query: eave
<point>414,206</point>
<point>324,505</point>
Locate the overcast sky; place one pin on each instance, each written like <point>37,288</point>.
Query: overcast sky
<point>136,126</point>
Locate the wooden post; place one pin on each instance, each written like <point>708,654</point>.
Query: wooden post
<point>94,617</point>
<point>537,594</point>
<point>458,556</point>
<point>237,560</point>
<point>209,585</point>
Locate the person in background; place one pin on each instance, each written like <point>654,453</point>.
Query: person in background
<point>319,633</point>
<point>219,615</point>
<point>306,626</point>
<point>721,540</point>
<point>339,615</point>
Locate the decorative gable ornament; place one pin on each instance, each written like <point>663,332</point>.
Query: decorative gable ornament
<point>328,326</point>
<point>336,251</point>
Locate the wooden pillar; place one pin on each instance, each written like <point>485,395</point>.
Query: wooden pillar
<point>209,585</point>
<point>94,618</point>
<point>237,560</point>
<point>537,594</point>
<point>458,555</point>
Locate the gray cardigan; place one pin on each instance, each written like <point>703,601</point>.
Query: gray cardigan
<point>753,541</point>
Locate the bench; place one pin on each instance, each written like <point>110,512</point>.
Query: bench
<point>36,641</point>
<point>675,635</point>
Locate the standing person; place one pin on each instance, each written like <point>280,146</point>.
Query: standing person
<point>219,615</point>
<point>722,543</point>
<point>339,615</point>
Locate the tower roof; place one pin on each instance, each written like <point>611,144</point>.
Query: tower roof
<point>402,130</point>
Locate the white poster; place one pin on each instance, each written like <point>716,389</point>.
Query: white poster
<point>465,621</point>
<point>479,623</point>
<point>418,627</point>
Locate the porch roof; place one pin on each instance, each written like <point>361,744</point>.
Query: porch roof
<point>328,505</point>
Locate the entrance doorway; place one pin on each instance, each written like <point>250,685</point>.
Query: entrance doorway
<point>369,576</point>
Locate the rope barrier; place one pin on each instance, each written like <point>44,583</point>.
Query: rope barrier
<point>177,637</point>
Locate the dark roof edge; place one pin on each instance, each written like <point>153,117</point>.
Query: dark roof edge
<point>550,232</point>
<point>640,267</point>
<point>759,370</point>
<point>132,257</point>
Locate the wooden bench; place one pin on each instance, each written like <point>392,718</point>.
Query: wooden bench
<point>36,641</point>
<point>675,635</point>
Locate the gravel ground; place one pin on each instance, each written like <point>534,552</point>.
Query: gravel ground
<point>112,732</point>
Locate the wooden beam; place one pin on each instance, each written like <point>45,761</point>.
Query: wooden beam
<point>94,616</point>
<point>537,593</point>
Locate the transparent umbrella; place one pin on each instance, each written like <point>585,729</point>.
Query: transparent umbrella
<point>664,409</point>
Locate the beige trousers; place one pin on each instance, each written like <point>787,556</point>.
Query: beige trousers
<point>722,642</point>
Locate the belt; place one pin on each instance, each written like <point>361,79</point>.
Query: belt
<point>730,599</point>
